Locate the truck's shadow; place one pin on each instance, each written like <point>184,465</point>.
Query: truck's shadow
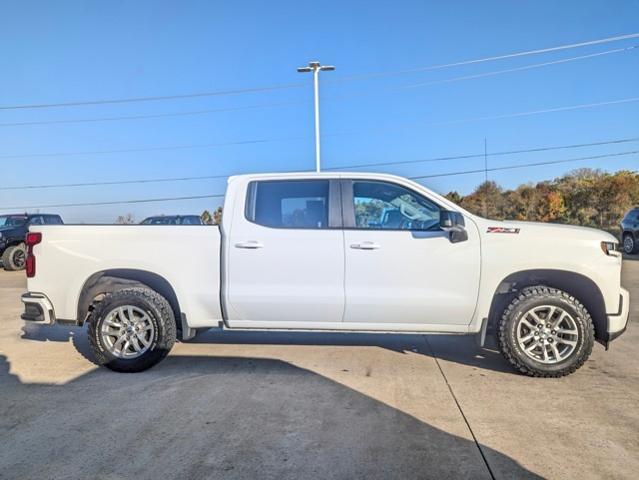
<point>214,417</point>
<point>455,348</point>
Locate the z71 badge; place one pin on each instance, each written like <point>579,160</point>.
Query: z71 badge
<point>502,230</point>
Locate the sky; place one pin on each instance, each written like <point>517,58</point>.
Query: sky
<point>83,51</point>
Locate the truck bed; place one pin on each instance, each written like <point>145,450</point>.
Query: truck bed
<point>187,257</point>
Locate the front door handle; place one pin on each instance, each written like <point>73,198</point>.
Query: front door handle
<point>366,246</point>
<point>251,244</point>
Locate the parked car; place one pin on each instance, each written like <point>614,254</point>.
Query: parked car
<point>13,229</point>
<point>173,220</point>
<point>333,252</point>
<point>630,231</point>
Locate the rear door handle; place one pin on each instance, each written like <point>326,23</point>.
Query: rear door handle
<point>251,244</point>
<point>366,246</point>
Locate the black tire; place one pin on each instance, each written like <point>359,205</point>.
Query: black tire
<point>539,296</point>
<point>630,245</point>
<point>160,314</point>
<point>14,257</point>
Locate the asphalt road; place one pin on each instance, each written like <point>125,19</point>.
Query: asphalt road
<point>344,406</point>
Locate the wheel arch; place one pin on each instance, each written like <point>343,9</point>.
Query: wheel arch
<point>12,242</point>
<point>577,285</point>
<point>630,232</point>
<point>112,280</point>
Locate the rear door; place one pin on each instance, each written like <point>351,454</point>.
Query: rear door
<point>286,255</point>
<point>401,268</point>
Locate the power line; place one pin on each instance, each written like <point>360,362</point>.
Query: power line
<point>270,140</point>
<point>208,177</point>
<point>212,177</point>
<point>115,182</point>
<point>334,97</point>
<point>300,85</point>
<point>519,69</point>
<point>524,165</point>
<point>154,149</point>
<point>117,202</point>
<point>195,197</point>
<point>490,117</point>
<point>481,155</point>
<point>154,99</point>
<point>490,59</point>
<point>480,75</point>
<point>158,115</point>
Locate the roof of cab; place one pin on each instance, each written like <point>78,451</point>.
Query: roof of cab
<point>330,174</point>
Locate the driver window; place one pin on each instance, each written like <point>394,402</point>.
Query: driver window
<point>386,206</point>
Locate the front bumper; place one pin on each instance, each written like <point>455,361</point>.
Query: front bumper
<point>618,322</point>
<point>37,308</point>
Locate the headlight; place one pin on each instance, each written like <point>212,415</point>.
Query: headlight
<point>609,247</point>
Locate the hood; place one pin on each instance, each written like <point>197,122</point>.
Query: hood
<point>543,229</point>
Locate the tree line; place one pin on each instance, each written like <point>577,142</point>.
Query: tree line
<point>584,197</point>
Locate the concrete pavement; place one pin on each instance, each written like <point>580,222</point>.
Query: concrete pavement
<point>297,405</point>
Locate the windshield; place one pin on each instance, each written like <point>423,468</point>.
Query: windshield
<point>12,220</point>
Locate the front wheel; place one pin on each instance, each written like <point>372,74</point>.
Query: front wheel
<point>546,332</point>
<point>132,329</point>
<point>629,244</point>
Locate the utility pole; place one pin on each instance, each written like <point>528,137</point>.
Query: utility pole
<point>315,67</point>
<point>485,178</point>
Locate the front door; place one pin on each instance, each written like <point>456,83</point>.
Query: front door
<point>286,256</point>
<point>401,267</point>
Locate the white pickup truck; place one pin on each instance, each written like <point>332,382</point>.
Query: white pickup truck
<point>332,252</point>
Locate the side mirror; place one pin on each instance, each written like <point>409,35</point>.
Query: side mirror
<point>453,223</point>
<point>446,219</point>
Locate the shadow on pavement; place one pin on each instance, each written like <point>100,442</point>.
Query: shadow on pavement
<point>461,349</point>
<point>212,417</point>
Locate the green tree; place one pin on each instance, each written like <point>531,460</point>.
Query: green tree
<point>206,217</point>
<point>214,218</point>
<point>582,197</point>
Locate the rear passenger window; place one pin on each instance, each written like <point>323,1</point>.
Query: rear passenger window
<point>288,203</point>
<point>52,220</point>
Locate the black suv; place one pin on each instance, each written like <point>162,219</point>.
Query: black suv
<point>630,231</point>
<point>173,220</point>
<point>13,230</point>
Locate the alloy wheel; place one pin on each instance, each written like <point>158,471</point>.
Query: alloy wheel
<point>19,258</point>
<point>628,244</point>
<point>547,334</point>
<point>127,332</point>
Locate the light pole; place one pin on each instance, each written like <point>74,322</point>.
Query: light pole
<point>315,67</point>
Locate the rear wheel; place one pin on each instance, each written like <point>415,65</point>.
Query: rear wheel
<point>131,330</point>
<point>14,257</point>
<point>629,244</point>
<point>546,332</point>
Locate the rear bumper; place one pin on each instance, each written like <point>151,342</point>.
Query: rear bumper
<point>37,308</point>
<point>617,323</point>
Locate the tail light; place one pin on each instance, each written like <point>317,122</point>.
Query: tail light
<point>33,238</point>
